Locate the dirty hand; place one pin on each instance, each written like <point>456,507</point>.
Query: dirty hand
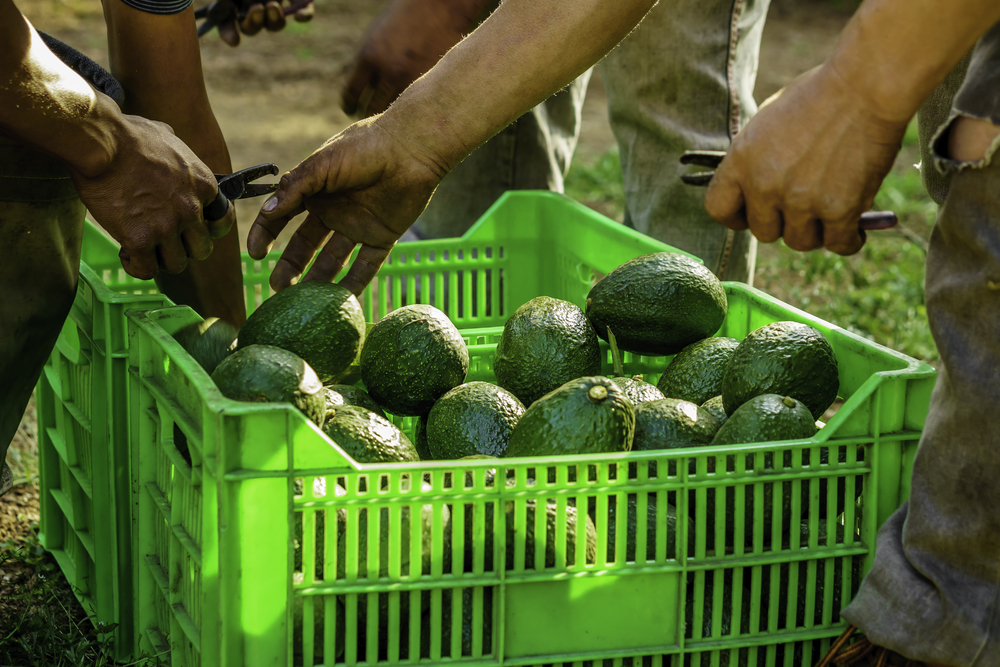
<point>271,15</point>
<point>365,186</point>
<point>150,200</point>
<point>806,166</point>
<point>403,43</point>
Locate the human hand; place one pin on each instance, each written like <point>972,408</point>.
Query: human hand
<point>150,199</point>
<point>366,185</point>
<point>403,43</point>
<point>806,166</point>
<point>271,16</point>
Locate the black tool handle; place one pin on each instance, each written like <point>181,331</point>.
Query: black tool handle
<point>217,209</point>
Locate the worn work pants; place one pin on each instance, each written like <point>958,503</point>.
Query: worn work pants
<point>41,224</point>
<point>683,79</point>
<point>932,592</point>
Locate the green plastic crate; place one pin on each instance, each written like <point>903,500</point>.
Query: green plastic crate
<point>228,554</point>
<point>82,413</point>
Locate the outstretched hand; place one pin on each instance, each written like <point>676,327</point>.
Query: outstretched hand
<point>806,166</point>
<point>151,200</point>
<point>364,186</point>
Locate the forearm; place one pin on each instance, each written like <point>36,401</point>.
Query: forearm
<point>522,54</point>
<point>156,59</point>
<point>894,52</point>
<point>48,106</point>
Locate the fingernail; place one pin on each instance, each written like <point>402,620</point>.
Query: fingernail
<point>270,205</point>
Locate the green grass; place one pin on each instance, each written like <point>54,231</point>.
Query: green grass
<point>41,622</point>
<point>877,293</point>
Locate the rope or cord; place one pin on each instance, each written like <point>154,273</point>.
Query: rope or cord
<point>844,654</point>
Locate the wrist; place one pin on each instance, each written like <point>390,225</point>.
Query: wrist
<point>94,147</point>
<point>427,132</point>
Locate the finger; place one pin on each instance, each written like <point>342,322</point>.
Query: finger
<point>141,264</point>
<point>219,228</point>
<point>284,204</point>
<point>275,18</point>
<point>171,255</point>
<point>765,222</point>
<point>802,231</point>
<point>724,201</point>
<point>844,235</point>
<point>305,14</point>
<point>262,235</point>
<point>364,268</point>
<point>229,33</point>
<point>197,243</point>
<point>331,259</point>
<point>306,240</point>
<point>253,22</point>
<point>358,80</point>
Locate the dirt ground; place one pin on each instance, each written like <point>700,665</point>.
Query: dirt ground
<point>277,99</point>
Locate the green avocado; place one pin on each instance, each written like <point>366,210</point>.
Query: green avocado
<point>545,343</point>
<point>786,358</point>
<point>657,304</point>
<point>346,394</point>
<point>411,358</point>
<point>321,322</point>
<point>473,418</point>
<point>638,390</point>
<point>589,415</point>
<point>670,423</point>
<point>695,374</point>
<point>420,439</point>
<point>714,407</point>
<point>267,374</point>
<point>764,418</point>
<point>209,341</point>
<point>367,437</point>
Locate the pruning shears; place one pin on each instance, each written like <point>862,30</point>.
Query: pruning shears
<point>870,220</point>
<point>238,186</point>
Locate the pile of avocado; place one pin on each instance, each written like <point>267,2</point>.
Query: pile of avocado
<point>309,345</point>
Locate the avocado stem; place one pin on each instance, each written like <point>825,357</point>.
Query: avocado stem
<point>617,368</point>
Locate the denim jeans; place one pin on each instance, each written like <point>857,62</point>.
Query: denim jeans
<point>932,592</point>
<point>683,79</point>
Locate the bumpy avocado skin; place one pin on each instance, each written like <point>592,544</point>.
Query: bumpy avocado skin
<point>715,407</point>
<point>766,418</point>
<point>638,390</point>
<point>367,437</point>
<point>411,357</point>
<point>473,418</point>
<point>545,343</point>
<point>589,415</point>
<point>208,342</point>
<point>786,358</point>
<point>657,304</point>
<point>321,322</point>
<point>267,374</point>
<point>671,423</point>
<point>345,394</point>
<point>695,374</point>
